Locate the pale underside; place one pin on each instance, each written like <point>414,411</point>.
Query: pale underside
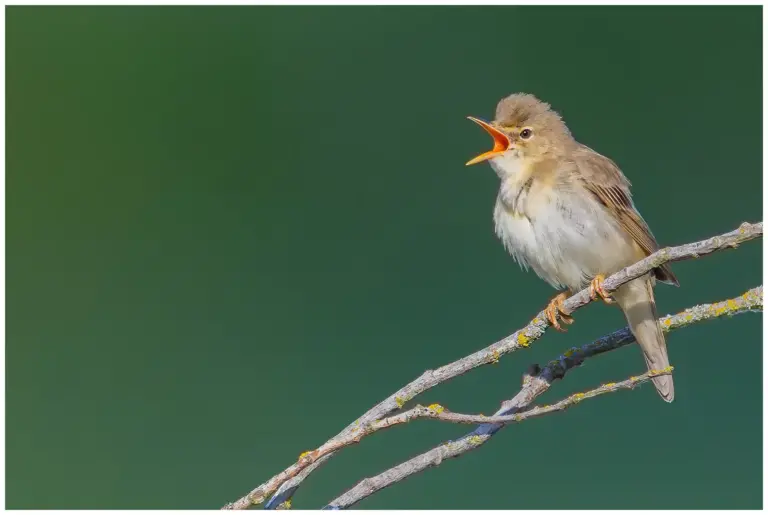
<point>552,224</point>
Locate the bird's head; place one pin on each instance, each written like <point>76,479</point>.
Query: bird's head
<point>525,127</point>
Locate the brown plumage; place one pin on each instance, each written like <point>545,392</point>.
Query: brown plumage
<point>567,212</point>
<point>603,178</point>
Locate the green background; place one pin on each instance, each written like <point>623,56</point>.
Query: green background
<point>232,230</point>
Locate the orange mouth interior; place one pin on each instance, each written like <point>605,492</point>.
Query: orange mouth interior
<point>501,142</point>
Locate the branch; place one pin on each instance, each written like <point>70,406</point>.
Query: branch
<point>491,354</point>
<point>537,381</point>
<point>435,411</point>
<point>440,413</point>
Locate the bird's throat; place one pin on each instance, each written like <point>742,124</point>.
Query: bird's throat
<point>510,166</point>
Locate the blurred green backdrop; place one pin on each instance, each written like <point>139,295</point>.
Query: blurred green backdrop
<point>232,230</point>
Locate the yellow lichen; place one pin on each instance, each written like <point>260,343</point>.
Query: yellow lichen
<point>494,357</point>
<point>436,408</point>
<point>732,304</point>
<point>257,500</point>
<point>286,505</point>
<point>475,440</point>
<point>400,402</point>
<point>609,385</point>
<point>578,396</point>
<point>523,340</point>
<point>668,322</point>
<point>303,454</point>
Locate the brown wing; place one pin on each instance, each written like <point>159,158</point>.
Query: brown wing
<point>604,180</point>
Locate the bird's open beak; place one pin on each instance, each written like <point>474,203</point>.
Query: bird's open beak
<point>501,142</point>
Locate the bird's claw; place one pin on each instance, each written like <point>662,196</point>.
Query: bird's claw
<point>555,308</point>
<point>596,289</point>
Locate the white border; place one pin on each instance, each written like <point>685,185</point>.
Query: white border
<point>305,2</point>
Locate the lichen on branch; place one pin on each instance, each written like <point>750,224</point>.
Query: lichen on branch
<point>284,484</point>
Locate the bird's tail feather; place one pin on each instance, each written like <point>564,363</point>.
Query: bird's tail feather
<point>637,302</point>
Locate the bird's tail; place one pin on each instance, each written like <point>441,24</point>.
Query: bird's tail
<point>636,301</point>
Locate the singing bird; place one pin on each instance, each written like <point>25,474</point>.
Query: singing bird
<point>567,212</point>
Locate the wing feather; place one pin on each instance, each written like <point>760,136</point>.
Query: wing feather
<point>603,178</point>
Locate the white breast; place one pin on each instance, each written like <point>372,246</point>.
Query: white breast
<point>563,234</point>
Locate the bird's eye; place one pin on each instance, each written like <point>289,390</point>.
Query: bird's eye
<point>526,133</point>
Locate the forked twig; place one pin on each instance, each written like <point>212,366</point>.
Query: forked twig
<point>289,479</point>
<point>537,381</point>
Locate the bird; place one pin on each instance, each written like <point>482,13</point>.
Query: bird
<point>567,212</point>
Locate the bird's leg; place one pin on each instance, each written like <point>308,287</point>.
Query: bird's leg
<point>556,308</point>
<point>596,288</point>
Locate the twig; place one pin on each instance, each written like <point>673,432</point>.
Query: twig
<point>440,413</point>
<point>491,354</point>
<point>535,382</point>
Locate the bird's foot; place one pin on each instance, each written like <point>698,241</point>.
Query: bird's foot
<point>596,289</point>
<point>556,308</point>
